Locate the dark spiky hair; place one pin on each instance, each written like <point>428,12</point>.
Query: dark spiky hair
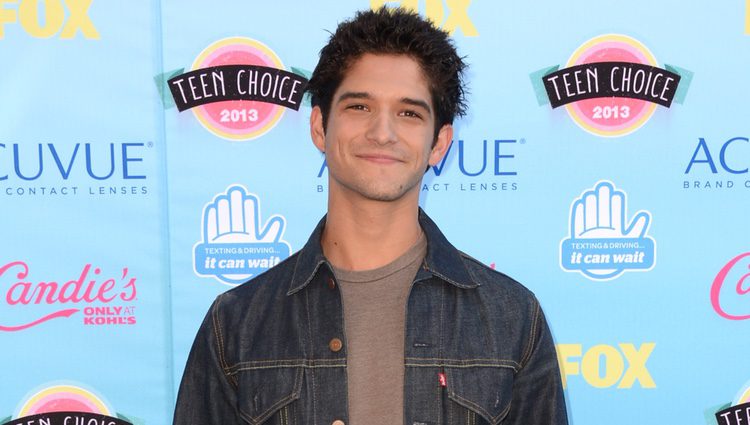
<point>393,31</point>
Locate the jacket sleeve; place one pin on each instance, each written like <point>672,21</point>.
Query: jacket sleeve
<point>206,395</point>
<point>538,397</point>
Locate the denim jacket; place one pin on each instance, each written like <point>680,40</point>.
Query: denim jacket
<point>273,350</point>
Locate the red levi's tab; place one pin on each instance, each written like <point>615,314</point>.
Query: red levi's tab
<point>443,381</point>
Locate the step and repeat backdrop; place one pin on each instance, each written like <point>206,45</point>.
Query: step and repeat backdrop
<point>603,163</point>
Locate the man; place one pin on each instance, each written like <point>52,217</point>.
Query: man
<point>378,319</point>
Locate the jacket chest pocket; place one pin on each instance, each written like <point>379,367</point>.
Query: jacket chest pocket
<point>478,395</point>
<point>269,396</point>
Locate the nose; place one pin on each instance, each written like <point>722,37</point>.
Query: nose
<point>381,129</point>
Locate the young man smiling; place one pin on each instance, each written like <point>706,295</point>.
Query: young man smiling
<point>378,319</point>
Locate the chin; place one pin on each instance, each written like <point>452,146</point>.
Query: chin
<point>377,189</point>
<point>386,194</point>
<point>384,197</point>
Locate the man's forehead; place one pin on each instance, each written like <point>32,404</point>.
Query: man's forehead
<point>370,73</point>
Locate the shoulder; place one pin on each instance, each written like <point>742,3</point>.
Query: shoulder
<point>247,321</point>
<point>502,289</point>
<point>255,295</point>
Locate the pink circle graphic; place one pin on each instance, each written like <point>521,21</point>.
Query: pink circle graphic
<point>63,403</point>
<point>63,398</point>
<point>238,120</point>
<point>611,116</point>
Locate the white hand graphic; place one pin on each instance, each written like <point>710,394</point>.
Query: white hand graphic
<point>600,213</point>
<point>235,218</point>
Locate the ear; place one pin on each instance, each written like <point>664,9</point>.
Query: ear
<point>443,142</point>
<point>317,133</point>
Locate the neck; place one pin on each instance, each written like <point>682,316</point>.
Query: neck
<point>371,234</point>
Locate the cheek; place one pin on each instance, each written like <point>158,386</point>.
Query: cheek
<point>338,150</point>
<point>421,138</point>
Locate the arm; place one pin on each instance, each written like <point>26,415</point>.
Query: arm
<point>206,394</point>
<point>538,397</point>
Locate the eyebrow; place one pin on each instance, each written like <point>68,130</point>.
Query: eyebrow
<point>417,102</point>
<point>353,95</point>
<point>364,95</point>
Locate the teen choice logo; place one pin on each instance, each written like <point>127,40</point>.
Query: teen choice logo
<point>613,116</point>
<point>65,404</point>
<point>611,85</point>
<point>237,88</point>
<point>736,413</point>
<point>238,119</point>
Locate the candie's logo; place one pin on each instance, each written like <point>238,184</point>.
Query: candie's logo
<point>730,290</point>
<point>603,242</point>
<point>65,18</point>
<point>236,244</point>
<point>611,85</point>
<point>105,300</point>
<point>457,16</point>
<point>237,88</point>
<point>65,404</point>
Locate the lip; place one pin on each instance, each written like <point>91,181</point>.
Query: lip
<point>379,158</point>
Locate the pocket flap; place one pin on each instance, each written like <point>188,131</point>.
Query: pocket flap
<point>486,391</point>
<point>262,392</point>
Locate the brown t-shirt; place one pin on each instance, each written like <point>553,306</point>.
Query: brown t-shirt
<point>374,319</point>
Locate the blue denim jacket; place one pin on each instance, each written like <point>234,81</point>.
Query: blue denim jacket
<point>264,353</point>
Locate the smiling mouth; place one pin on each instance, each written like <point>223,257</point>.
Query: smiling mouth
<point>379,158</point>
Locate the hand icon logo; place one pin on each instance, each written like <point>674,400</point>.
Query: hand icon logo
<point>235,245</point>
<point>600,213</point>
<point>234,218</point>
<point>603,243</point>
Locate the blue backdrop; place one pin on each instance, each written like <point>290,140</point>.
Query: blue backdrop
<point>624,207</point>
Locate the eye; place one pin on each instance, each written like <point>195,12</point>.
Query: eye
<point>357,107</point>
<point>411,114</point>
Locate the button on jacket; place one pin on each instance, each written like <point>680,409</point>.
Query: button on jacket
<point>273,350</point>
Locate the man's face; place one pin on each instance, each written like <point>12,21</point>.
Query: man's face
<point>380,132</point>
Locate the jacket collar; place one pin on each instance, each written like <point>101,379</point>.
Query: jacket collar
<point>443,260</point>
